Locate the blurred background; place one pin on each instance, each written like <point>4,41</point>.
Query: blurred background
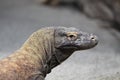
<point>20,18</point>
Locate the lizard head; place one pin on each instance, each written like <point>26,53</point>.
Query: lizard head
<point>68,40</point>
<point>74,39</point>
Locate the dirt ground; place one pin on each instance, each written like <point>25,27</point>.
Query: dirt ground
<point>19,18</point>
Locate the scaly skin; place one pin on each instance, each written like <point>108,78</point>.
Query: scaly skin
<point>44,49</point>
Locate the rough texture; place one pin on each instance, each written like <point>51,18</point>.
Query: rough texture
<point>104,10</point>
<point>56,2</point>
<point>19,20</point>
<point>107,11</point>
<point>45,49</point>
<point>26,62</point>
<point>98,9</point>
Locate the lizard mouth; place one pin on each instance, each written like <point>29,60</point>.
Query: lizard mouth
<point>69,46</point>
<point>76,45</point>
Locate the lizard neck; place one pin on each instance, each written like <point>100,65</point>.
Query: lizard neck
<point>40,46</point>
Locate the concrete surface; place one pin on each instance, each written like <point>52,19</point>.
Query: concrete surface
<point>19,18</point>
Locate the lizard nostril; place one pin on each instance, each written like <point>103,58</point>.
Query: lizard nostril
<point>93,38</point>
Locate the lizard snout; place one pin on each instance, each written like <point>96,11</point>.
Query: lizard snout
<point>94,38</point>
